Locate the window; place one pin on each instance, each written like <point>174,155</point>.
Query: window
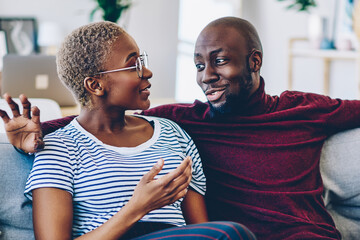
<point>194,15</point>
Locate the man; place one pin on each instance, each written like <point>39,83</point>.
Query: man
<point>260,152</point>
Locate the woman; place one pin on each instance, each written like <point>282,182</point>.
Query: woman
<point>107,173</point>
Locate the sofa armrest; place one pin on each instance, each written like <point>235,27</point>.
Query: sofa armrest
<point>15,209</point>
<point>340,171</point>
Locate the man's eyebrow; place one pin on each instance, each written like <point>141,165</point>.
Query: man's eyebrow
<point>216,51</point>
<point>130,56</point>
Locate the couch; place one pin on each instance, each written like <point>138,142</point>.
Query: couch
<point>340,167</point>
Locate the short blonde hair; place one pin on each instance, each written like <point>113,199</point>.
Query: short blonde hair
<point>84,53</point>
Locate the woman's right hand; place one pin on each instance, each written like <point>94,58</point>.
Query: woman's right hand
<point>151,194</point>
<point>23,130</point>
<point>148,195</point>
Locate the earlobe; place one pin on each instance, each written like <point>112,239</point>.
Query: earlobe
<point>93,86</point>
<point>255,60</point>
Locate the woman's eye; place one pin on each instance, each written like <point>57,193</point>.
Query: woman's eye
<point>200,67</point>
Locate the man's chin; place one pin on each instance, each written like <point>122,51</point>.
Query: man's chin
<point>231,106</point>
<point>218,109</point>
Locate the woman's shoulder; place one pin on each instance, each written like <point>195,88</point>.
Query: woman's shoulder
<point>63,135</point>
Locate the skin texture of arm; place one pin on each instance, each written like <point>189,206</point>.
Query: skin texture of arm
<point>53,210</point>
<point>194,208</point>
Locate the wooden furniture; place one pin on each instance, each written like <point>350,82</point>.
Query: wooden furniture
<point>327,57</point>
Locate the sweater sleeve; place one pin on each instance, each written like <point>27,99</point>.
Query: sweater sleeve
<point>332,114</point>
<point>53,125</point>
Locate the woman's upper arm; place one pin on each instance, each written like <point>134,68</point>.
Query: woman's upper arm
<point>194,208</point>
<point>52,214</point>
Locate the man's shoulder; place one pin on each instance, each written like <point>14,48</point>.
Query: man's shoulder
<point>177,111</point>
<point>298,98</point>
<point>299,94</point>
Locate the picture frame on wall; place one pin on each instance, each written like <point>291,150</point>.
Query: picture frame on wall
<point>21,35</point>
<point>3,47</point>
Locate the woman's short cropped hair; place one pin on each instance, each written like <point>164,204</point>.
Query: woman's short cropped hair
<point>83,53</point>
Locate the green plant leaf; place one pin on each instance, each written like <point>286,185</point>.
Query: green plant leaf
<point>300,5</point>
<point>112,9</point>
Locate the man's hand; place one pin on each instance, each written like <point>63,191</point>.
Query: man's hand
<point>23,130</point>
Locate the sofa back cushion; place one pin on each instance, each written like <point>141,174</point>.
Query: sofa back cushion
<point>15,209</point>
<point>340,171</point>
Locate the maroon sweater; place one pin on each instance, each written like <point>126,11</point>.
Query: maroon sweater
<point>262,167</point>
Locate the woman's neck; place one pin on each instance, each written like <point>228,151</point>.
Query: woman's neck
<point>116,128</point>
<point>97,119</point>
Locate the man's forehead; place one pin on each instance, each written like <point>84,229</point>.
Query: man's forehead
<point>223,38</point>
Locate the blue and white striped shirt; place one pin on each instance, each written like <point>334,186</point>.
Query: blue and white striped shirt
<point>102,178</point>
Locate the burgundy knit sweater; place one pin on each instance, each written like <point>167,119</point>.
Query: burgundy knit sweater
<point>262,167</point>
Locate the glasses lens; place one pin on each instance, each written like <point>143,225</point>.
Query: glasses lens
<point>144,59</point>
<point>139,68</point>
<point>141,61</point>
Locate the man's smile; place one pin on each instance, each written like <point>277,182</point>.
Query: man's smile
<point>215,94</point>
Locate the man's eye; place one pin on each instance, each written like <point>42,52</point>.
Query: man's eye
<point>220,61</point>
<point>199,67</point>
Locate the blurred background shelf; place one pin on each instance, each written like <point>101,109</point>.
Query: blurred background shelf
<point>327,56</point>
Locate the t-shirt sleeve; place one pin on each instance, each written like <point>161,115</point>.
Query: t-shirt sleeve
<point>52,167</point>
<point>198,181</point>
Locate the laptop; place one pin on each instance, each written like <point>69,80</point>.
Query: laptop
<point>36,77</point>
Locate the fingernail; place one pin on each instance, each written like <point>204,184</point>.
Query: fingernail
<point>158,163</point>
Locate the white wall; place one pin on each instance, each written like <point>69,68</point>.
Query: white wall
<point>276,25</point>
<point>153,24</point>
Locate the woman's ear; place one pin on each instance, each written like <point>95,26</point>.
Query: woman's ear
<point>93,86</point>
<point>255,60</point>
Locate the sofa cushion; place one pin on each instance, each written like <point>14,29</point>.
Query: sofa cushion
<point>15,209</point>
<point>340,170</point>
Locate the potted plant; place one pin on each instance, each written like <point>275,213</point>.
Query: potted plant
<point>112,9</point>
<point>301,5</point>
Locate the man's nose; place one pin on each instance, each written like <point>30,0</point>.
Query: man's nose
<point>209,75</point>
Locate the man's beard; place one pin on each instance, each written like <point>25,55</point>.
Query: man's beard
<point>235,103</point>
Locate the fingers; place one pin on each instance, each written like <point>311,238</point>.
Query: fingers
<point>35,111</point>
<point>178,172</point>
<point>13,105</point>
<point>26,105</point>
<point>4,116</point>
<point>177,181</point>
<point>154,170</point>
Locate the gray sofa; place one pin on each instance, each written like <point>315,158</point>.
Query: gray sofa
<point>340,166</point>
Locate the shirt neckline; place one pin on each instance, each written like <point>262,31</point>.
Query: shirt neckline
<point>125,150</point>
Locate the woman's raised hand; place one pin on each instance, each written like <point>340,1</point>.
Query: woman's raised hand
<point>23,130</point>
<point>152,193</point>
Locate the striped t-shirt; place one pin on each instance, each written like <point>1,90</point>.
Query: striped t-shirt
<point>102,178</point>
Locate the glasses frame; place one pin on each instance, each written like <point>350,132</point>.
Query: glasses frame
<point>141,61</point>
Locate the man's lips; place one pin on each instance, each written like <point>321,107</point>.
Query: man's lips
<point>213,95</point>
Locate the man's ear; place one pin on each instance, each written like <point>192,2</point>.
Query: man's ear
<point>93,86</point>
<point>255,60</point>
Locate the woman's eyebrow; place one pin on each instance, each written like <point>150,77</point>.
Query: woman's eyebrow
<point>130,56</point>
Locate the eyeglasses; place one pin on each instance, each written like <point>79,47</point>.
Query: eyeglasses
<point>141,61</point>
